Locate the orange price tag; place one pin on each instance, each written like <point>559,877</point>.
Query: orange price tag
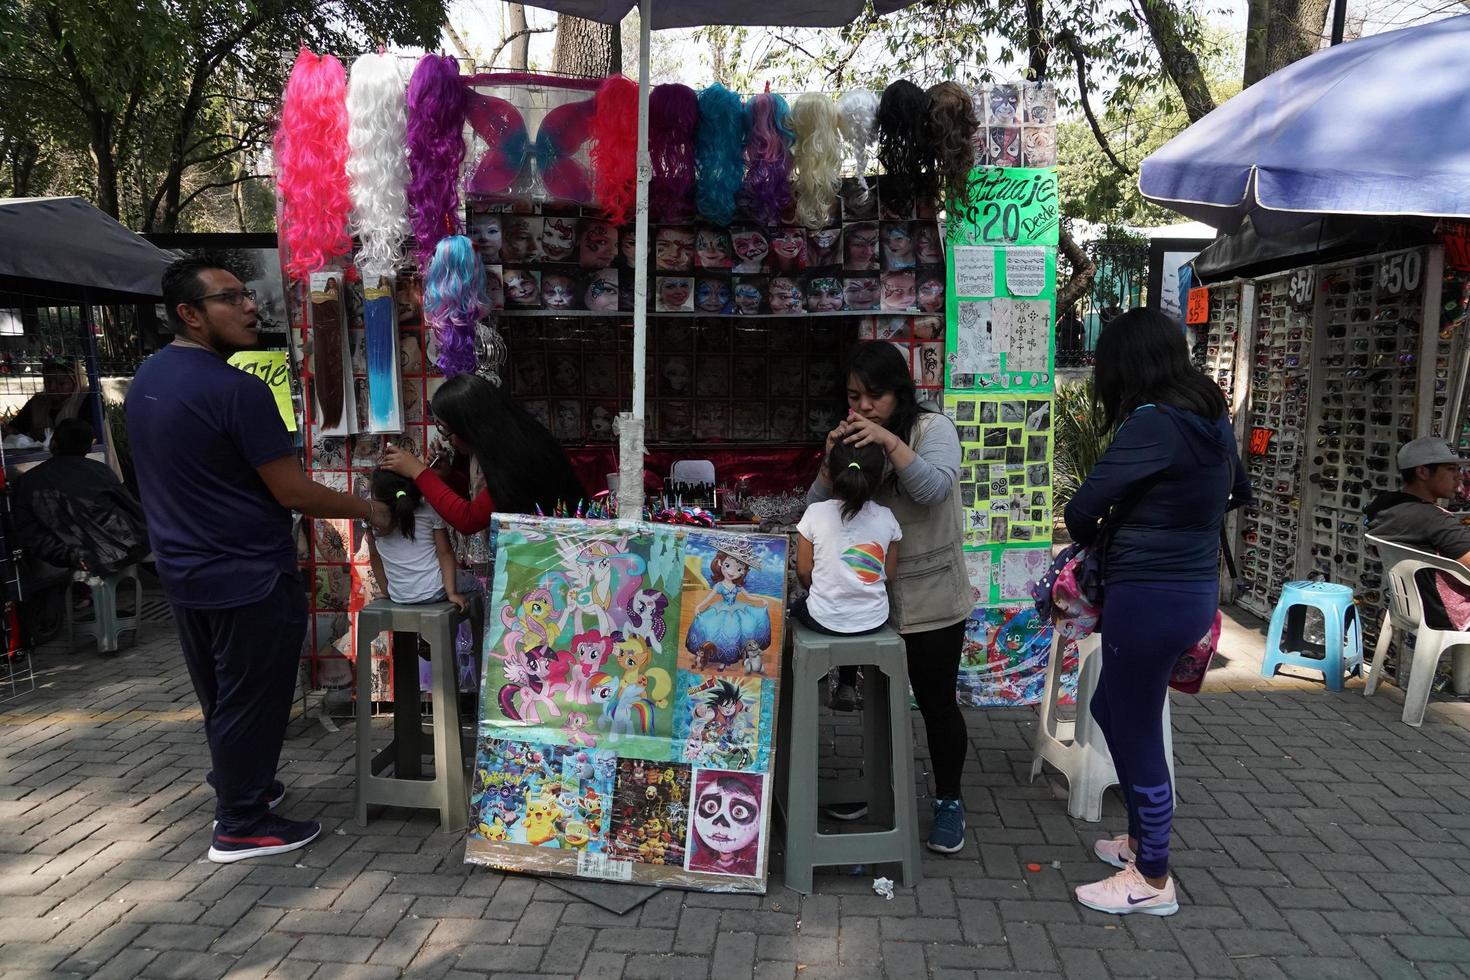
<point>1199,306</point>
<point>1260,440</point>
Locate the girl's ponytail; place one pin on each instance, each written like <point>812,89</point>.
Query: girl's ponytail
<point>856,474</point>
<point>401,496</point>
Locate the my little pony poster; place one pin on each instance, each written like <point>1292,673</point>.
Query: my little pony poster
<point>620,661</point>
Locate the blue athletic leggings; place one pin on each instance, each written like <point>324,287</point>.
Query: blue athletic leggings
<point>1146,626</point>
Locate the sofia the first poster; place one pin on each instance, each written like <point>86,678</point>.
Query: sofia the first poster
<point>629,681</point>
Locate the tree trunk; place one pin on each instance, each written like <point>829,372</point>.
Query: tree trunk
<point>520,48</point>
<point>1280,32</point>
<point>1035,44</point>
<point>585,47</point>
<point>21,156</point>
<point>1179,63</point>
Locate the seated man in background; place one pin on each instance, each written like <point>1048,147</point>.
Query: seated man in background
<point>74,513</point>
<point>1412,517</point>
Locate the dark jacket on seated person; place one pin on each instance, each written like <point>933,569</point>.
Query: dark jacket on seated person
<point>1424,526</point>
<point>73,511</point>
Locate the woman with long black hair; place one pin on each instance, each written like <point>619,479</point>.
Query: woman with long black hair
<point>1156,498</point>
<point>929,597</point>
<point>517,465</point>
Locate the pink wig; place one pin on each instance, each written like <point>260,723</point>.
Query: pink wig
<point>436,112</point>
<point>614,151</point>
<point>673,112</point>
<point>766,193</point>
<point>311,164</point>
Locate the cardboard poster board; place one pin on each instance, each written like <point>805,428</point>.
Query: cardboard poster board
<point>629,684</point>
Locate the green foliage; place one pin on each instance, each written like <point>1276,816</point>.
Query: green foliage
<point>1081,437</point>
<point>152,105</point>
<point>1091,186</point>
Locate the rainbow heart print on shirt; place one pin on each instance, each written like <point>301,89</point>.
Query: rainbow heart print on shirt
<point>866,561</point>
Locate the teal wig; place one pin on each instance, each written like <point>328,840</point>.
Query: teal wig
<point>719,153</point>
<point>454,301</point>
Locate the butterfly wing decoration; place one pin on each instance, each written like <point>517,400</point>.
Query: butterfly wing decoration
<point>507,143</point>
<point>563,133</point>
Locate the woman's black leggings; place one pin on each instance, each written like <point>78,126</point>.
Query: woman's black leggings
<point>934,670</point>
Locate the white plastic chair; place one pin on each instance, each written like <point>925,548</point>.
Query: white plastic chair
<point>1077,749</point>
<point>1401,566</point>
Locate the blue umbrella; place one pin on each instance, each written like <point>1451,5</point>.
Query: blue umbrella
<point>1378,126</point>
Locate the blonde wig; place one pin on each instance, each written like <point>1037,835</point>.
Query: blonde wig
<point>817,156</point>
<point>377,164</point>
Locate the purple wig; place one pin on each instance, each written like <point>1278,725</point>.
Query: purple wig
<point>454,301</point>
<point>673,112</point>
<point>436,113</point>
<point>766,193</point>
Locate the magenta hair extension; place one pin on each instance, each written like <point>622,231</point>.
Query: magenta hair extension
<point>673,112</point>
<point>311,164</point>
<point>614,150</point>
<point>766,193</point>
<point>454,301</point>
<point>436,114</point>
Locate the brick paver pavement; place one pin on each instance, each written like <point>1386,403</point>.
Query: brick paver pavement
<point>1316,837</point>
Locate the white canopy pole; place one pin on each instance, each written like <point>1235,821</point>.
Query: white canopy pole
<point>630,424</point>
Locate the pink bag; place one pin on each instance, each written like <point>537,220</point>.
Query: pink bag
<point>1189,669</point>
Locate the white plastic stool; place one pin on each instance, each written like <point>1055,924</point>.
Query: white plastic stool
<point>1077,749</point>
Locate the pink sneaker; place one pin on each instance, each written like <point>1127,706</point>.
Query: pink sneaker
<point>1127,892</point>
<point>1115,852</point>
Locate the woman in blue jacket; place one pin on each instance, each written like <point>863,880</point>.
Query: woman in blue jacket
<point>1161,491</point>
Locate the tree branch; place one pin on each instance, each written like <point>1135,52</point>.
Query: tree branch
<point>1083,270</point>
<point>505,42</point>
<point>1069,39</point>
<point>216,186</point>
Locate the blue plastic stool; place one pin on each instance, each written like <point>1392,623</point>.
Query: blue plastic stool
<point>1341,651</point>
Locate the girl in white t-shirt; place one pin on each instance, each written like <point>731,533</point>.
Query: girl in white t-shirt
<point>848,547</point>
<point>414,562</point>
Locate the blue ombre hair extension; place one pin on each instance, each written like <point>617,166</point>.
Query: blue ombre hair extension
<point>719,154</point>
<point>766,193</point>
<point>454,301</point>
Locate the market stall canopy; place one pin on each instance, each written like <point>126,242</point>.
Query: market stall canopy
<point>700,13</point>
<point>67,241</point>
<point>1246,254</point>
<point>1377,126</point>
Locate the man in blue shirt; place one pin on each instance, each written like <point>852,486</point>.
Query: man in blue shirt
<point>219,477</point>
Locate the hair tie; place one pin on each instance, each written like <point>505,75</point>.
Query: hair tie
<point>854,465</point>
<point>401,493</point>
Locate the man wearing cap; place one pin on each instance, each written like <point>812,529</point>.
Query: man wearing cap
<point>1430,471</point>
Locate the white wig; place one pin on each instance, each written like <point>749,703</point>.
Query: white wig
<point>818,158</point>
<point>859,110</point>
<point>377,163</point>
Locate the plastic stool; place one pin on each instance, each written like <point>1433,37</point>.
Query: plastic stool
<point>435,623</point>
<point>1077,749</point>
<point>1342,646</point>
<point>887,783</point>
<point>105,626</point>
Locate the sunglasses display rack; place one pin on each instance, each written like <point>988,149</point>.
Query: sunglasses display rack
<point>1274,443</point>
<point>1215,341</point>
<point>1370,371</point>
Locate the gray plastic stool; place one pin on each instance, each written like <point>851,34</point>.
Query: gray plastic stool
<point>436,623</point>
<point>887,783</point>
<point>105,626</point>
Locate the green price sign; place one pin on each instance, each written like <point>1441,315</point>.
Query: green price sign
<point>1008,206</point>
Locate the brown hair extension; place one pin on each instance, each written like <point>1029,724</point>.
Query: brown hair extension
<point>952,126</point>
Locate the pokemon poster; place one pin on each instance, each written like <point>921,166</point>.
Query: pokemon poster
<point>629,672</point>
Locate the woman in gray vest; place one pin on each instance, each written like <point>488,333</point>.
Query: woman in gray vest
<point>930,596</point>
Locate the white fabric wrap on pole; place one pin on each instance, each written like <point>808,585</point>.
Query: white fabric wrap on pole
<point>630,424</point>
